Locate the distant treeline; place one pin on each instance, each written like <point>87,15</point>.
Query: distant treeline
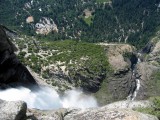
<point>133,21</point>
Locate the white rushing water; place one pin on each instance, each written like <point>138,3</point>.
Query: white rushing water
<point>133,95</point>
<point>138,85</point>
<point>47,98</point>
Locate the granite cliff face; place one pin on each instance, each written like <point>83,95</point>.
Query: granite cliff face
<point>138,80</point>
<point>120,82</point>
<point>135,74</point>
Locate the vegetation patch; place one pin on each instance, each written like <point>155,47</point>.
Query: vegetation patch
<point>103,96</point>
<point>88,20</point>
<point>155,110</point>
<point>80,61</point>
<point>153,85</point>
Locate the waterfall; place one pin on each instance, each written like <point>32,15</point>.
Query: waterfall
<point>138,85</point>
<point>133,94</point>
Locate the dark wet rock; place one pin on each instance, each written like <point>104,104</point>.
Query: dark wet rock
<point>11,69</point>
<point>148,48</point>
<point>5,43</point>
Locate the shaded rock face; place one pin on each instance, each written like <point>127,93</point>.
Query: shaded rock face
<point>148,48</point>
<point>121,85</point>
<point>90,83</point>
<point>5,43</point>
<point>11,70</point>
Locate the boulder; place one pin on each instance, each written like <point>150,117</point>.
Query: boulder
<point>12,110</point>
<point>34,114</point>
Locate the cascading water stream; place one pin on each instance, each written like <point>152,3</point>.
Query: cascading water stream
<point>133,94</point>
<point>138,85</point>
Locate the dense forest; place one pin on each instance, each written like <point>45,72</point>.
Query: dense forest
<point>131,21</point>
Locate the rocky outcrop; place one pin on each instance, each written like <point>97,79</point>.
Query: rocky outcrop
<point>115,53</point>
<point>120,81</point>
<point>133,73</point>
<point>89,114</point>
<point>102,113</point>
<point>29,19</point>
<point>45,26</point>
<point>108,114</point>
<point>12,110</point>
<point>11,69</point>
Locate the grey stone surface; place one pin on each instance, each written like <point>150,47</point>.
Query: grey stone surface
<point>108,114</point>
<point>12,110</point>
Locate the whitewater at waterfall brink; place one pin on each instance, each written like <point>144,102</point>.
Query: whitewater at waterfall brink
<point>46,98</point>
